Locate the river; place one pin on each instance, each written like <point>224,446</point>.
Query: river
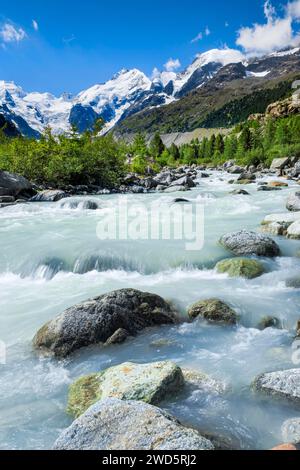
<point>51,259</point>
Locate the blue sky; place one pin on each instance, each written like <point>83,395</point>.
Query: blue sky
<point>64,45</point>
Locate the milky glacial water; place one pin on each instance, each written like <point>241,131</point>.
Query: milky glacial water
<point>51,259</point>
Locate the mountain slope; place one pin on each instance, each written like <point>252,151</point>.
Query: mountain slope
<point>167,102</point>
<point>231,95</point>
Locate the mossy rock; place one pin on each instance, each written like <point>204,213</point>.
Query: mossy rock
<point>214,311</point>
<point>245,181</point>
<point>150,383</point>
<point>269,322</point>
<point>241,267</point>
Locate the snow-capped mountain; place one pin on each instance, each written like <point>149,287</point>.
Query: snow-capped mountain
<point>128,92</point>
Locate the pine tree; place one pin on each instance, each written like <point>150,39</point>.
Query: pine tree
<point>174,152</point>
<point>157,146</point>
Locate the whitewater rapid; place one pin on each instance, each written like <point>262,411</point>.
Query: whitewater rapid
<point>51,259</point>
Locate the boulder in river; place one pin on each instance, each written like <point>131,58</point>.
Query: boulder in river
<point>245,242</point>
<point>293,232</point>
<point>49,195</point>
<point>129,425</point>
<point>283,384</point>
<point>240,192</point>
<point>268,322</point>
<point>84,204</point>
<point>278,224</point>
<point>96,320</point>
<point>293,202</point>
<point>241,267</point>
<point>12,184</point>
<point>291,431</point>
<point>150,383</point>
<point>214,311</point>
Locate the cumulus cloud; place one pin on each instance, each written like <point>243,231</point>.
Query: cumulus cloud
<point>293,9</point>
<point>9,33</point>
<point>35,25</point>
<point>275,34</point>
<point>172,64</point>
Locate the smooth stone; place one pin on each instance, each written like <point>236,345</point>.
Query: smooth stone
<point>293,202</point>
<point>214,311</point>
<point>12,184</point>
<point>181,200</point>
<point>250,243</point>
<point>293,232</point>
<point>282,384</point>
<point>129,425</point>
<point>268,188</point>
<point>240,267</point>
<point>277,184</point>
<point>96,320</point>
<point>150,383</point>
<point>175,189</point>
<point>49,196</point>
<point>240,192</point>
<point>184,181</point>
<point>279,163</point>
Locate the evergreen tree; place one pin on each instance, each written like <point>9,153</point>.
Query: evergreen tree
<point>157,146</point>
<point>174,152</point>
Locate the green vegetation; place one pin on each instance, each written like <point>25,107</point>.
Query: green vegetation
<point>63,160</point>
<point>103,161</point>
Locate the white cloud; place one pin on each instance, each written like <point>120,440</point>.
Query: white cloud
<point>172,65</point>
<point>277,33</point>
<point>293,9</point>
<point>200,35</point>
<point>35,25</point>
<point>8,33</point>
<point>197,38</point>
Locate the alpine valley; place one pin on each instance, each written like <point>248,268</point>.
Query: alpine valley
<point>207,93</point>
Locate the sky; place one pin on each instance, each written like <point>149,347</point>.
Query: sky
<point>67,46</point>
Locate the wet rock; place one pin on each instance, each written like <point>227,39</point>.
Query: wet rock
<point>213,310</point>
<point>282,384</point>
<point>96,320</point>
<point>241,267</point>
<point>175,189</point>
<point>268,322</point>
<point>180,200</point>
<point>268,188</point>
<point>293,202</point>
<point>245,181</point>
<point>277,184</point>
<point>185,181</point>
<point>82,204</point>
<point>250,243</point>
<point>129,425</point>
<point>118,337</point>
<point>291,431</point>
<point>249,176</point>
<point>235,169</point>
<point>278,224</point>
<point>241,192</point>
<point>293,232</point>
<point>293,282</point>
<point>49,195</point>
<point>150,383</point>
<point>7,199</point>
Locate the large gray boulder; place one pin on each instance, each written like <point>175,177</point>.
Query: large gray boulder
<point>96,320</point>
<point>113,424</point>
<point>184,181</point>
<point>293,202</point>
<point>245,242</point>
<point>49,195</point>
<point>14,185</point>
<point>279,163</point>
<point>282,384</point>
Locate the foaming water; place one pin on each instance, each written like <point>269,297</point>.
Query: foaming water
<point>53,259</point>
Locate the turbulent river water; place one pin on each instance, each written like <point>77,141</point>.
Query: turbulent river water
<point>51,259</point>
